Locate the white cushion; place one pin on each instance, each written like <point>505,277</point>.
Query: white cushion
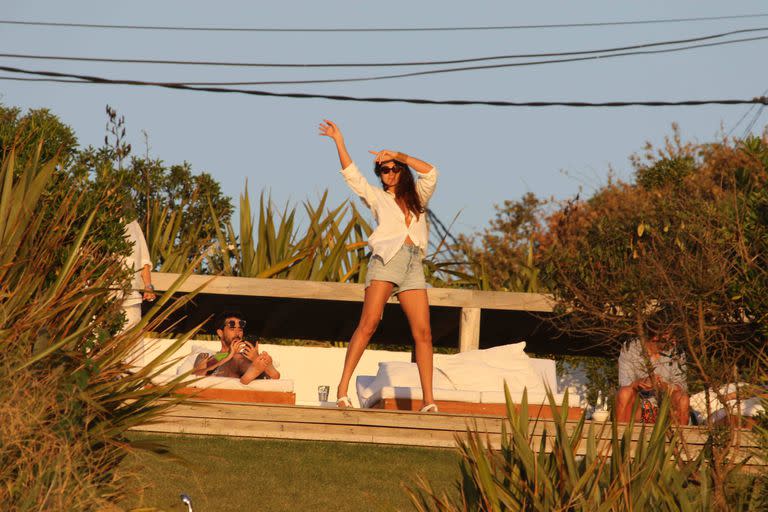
<point>473,373</point>
<point>233,383</point>
<point>414,393</point>
<point>547,370</point>
<point>483,377</point>
<point>405,374</point>
<point>363,388</point>
<point>487,369</point>
<point>401,376</point>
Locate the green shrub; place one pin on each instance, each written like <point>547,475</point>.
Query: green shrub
<point>67,394</point>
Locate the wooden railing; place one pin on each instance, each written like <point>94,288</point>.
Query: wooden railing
<point>470,302</point>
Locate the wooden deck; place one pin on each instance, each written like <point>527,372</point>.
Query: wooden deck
<point>374,426</point>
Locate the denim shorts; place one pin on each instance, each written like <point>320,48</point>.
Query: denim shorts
<point>404,270</point>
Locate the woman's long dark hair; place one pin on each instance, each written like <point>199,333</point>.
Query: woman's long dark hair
<point>405,190</point>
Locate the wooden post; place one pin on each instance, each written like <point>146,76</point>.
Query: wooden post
<point>469,329</point>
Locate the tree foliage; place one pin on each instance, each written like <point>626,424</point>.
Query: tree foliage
<point>504,256</point>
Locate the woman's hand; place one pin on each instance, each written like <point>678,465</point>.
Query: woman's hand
<point>386,155</point>
<point>329,129</point>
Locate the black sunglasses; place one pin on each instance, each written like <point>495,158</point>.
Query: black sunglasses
<point>387,170</point>
<point>232,324</point>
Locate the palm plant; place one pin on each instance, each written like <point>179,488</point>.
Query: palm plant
<point>172,244</point>
<point>68,392</point>
<point>570,469</point>
<point>331,248</point>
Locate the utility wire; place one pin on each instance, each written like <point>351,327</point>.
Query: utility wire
<point>52,80</point>
<point>743,117</point>
<point>378,29</point>
<point>445,232</point>
<point>465,68</point>
<point>751,124</point>
<point>379,64</point>
<point>181,86</point>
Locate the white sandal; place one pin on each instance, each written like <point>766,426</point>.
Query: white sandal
<point>344,400</point>
<point>429,408</point>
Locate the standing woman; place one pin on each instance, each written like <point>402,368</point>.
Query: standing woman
<point>398,243</point>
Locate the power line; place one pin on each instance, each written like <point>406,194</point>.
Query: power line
<point>751,124</point>
<point>468,68</point>
<point>471,68</point>
<point>53,80</point>
<point>378,64</point>
<point>378,29</point>
<point>419,101</point>
<point>741,119</point>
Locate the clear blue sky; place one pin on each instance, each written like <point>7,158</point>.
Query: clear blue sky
<point>485,154</point>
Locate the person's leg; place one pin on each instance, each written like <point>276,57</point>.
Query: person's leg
<point>415,304</point>
<point>625,401</point>
<point>376,296</point>
<point>680,406</point>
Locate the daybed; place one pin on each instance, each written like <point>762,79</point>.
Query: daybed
<point>750,404</point>
<point>469,382</point>
<point>279,391</point>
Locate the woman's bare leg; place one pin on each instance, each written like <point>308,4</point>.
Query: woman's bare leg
<point>376,296</point>
<point>415,304</point>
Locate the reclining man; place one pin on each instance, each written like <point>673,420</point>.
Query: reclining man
<point>237,358</point>
<point>651,368</point>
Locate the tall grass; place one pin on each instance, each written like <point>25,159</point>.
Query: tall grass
<point>67,390</point>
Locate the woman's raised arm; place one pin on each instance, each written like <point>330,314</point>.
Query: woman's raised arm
<point>420,166</point>
<point>329,129</point>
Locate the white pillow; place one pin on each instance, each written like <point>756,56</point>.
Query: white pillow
<point>506,356</point>
<point>510,357</point>
<point>483,377</point>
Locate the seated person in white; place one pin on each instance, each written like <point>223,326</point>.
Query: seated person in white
<point>237,358</point>
<point>652,368</point>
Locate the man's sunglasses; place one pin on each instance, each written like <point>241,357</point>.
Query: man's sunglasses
<point>233,324</point>
<point>387,170</point>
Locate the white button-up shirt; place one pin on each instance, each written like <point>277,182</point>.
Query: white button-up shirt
<point>136,261</point>
<point>391,230</point>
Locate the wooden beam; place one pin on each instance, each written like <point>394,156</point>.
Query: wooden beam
<point>469,329</point>
<point>350,292</point>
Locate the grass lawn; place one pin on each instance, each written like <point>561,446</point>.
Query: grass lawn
<point>233,474</point>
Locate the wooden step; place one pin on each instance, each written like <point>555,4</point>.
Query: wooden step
<point>390,427</point>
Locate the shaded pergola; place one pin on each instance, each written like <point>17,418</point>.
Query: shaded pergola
<point>314,310</point>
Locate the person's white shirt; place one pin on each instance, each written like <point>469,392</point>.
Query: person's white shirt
<point>391,230</point>
<point>136,260</point>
